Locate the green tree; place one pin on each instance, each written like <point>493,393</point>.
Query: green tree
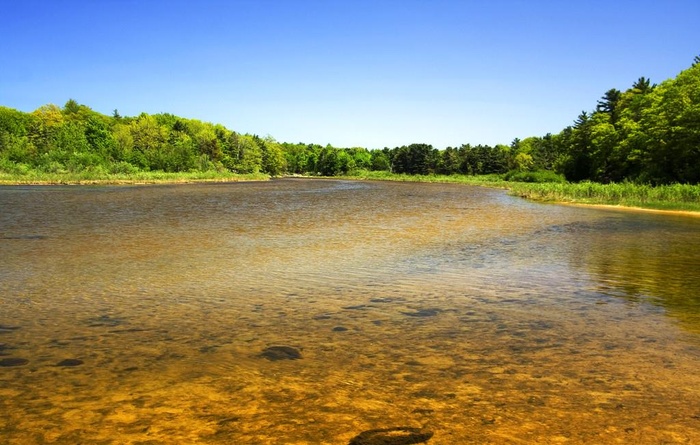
<point>297,157</point>
<point>122,149</point>
<point>605,164</point>
<point>345,162</point>
<point>328,163</point>
<point>380,161</point>
<point>149,141</point>
<point>99,136</point>
<point>672,125</point>
<point>273,160</point>
<point>608,104</point>
<point>546,152</point>
<point>181,153</point>
<point>246,155</point>
<point>71,107</point>
<point>450,161</point>
<point>45,124</point>
<point>15,145</point>
<point>577,164</point>
<point>415,159</point>
<point>643,86</point>
<point>361,158</point>
<point>14,122</point>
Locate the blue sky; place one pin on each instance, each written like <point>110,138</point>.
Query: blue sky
<point>349,73</point>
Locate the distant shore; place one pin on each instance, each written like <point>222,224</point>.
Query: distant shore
<point>677,199</point>
<point>617,207</point>
<point>668,199</point>
<point>129,179</point>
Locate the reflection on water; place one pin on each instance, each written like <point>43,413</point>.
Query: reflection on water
<point>652,260</point>
<point>309,312</point>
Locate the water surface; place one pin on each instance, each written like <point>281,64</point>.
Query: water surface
<point>145,314</point>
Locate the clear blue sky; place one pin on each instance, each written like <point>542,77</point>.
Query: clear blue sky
<point>350,73</point>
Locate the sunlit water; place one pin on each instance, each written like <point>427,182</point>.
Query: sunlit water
<point>141,314</point>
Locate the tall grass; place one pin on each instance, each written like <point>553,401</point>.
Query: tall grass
<point>682,197</point>
<point>100,176</point>
<point>663,197</point>
<point>666,197</point>
<point>491,180</point>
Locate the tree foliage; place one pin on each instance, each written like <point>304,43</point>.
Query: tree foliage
<point>648,133</point>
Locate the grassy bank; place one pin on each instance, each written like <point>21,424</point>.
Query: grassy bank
<point>487,180</point>
<point>144,177</point>
<point>677,197</point>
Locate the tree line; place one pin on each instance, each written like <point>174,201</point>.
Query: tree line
<point>75,138</point>
<point>648,133</point>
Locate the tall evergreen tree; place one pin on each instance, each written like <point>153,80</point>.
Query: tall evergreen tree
<point>643,86</point>
<point>608,103</point>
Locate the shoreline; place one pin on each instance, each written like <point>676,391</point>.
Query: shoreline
<point>132,181</point>
<point>243,178</point>
<point>619,207</point>
<point>123,182</point>
<point>504,185</point>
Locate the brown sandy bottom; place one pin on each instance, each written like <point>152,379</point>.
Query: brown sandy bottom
<point>632,209</point>
<point>222,315</point>
<point>470,370</point>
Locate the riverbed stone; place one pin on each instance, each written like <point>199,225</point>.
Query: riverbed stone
<point>357,307</point>
<point>276,353</point>
<point>401,435</point>
<point>23,237</point>
<point>70,362</point>
<point>423,313</point>
<point>13,361</point>
<point>104,321</point>
<point>381,300</point>
<point>4,349</point>
<point>4,329</point>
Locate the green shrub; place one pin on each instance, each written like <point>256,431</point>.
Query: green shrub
<point>14,168</point>
<point>81,160</point>
<point>122,168</point>
<point>537,176</point>
<point>674,196</point>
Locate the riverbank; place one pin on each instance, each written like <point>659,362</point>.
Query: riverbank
<point>621,208</point>
<point>154,177</point>
<point>676,198</point>
<point>665,198</point>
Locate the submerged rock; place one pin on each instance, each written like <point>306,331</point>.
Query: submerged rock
<point>401,435</point>
<point>381,300</point>
<point>275,353</point>
<point>5,328</point>
<point>423,313</point>
<point>13,361</point>
<point>357,307</point>
<point>70,362</point>
<point>23,237</point>
<point>104,320</point>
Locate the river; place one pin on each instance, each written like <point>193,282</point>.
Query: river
<point>302,311</point>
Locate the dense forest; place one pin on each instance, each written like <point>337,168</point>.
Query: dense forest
<point>646,134</point>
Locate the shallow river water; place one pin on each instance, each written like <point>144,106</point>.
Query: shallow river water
<point>309,311</point>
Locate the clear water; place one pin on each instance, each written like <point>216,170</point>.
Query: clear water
<point>141,314</point>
